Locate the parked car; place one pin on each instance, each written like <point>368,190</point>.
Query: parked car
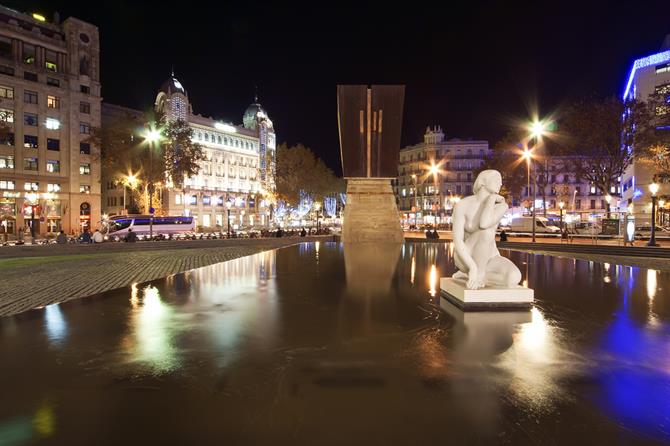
<point>525,224</point>
<point>645,231</point>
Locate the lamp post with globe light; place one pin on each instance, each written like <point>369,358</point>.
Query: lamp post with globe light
<point>317,207</point>
<point>653,188</point>
<point>435,171</point>
<point>608,200</point>
<point>560,207</point>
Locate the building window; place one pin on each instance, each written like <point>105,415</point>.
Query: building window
<point>53,101</point>
<point>53,166</point>
<point>7,139</point>
<point>9,71</point>
<point>193,199</point>
<point>29,97</point>
<point>663,68</point>
<point>85,107</point>
<point>53,187</point>
<point>32,186</point>
<point>53,82</point>
<point>53,124</point>
<point>6,92</point>
<point>27,75</point>
<point>6,162</point>
<point>84,148</point>
<point>84,128</point>
<point>219,201</point>
<point>51,60</point>
<point>6,115</point>
<point>28,53</point>
<point>603,204</point>
<point>30,163</point>
<point>578,204</point>
<point>30,141</point>
<point>592,190</point>
<point>6,47</point>
<point>207,200</point>
<point>30,119</point>
<point>7,184</point>
<point>84,169</point>
<point>84,189</point>
<point>85,89</point>
<point>53,144</point>
<point>593,204</point>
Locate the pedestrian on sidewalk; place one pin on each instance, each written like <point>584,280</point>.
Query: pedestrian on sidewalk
<point>131,237</point>
<point>503,236</point>
<point>61,238</point>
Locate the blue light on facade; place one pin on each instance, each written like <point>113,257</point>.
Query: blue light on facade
<point>654,59</point>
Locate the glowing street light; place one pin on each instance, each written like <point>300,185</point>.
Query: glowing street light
<point>561,205</point>
<point>152,136</point>
<point>653,188</point>
<point>537,129</point>
<point>228,206</point>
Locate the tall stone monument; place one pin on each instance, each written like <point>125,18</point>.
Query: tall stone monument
<point>370,121</point>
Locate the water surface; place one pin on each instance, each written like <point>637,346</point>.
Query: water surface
<point>318,344</point>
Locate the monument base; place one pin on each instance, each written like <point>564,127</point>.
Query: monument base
<point>487,298</point>
<point>371,214</point>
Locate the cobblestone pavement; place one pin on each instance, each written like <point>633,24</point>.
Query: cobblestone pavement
<point>30,282</point>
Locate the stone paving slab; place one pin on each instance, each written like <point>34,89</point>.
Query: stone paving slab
<point>30,282</point>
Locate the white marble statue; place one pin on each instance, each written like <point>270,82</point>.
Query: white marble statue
<point>475,220</point>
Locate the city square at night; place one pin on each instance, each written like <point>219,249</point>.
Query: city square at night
<point>252,223</point>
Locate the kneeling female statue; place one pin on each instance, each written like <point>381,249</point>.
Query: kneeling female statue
<point>475,219</point>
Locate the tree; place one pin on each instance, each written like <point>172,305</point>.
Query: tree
<point>592,132</point>
<point>506,159</point>
<point>298,169</point>
<point>126,150</point>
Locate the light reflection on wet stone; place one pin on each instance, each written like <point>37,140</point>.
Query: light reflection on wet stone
<point>288,344</point>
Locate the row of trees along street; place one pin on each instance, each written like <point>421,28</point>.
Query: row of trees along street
<point>592,140</point>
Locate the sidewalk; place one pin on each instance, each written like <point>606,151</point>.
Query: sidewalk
<point>579,240</point>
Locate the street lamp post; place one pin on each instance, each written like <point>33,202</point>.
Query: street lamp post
<point>435,171</point>
<point>317,206</point>
<point>537,130</point>
<point>608,200</point>
<point>653,188</point>
<point>560,207</point>
<point>228,205</point>
<point>151,136</point>
<point>416,199</point>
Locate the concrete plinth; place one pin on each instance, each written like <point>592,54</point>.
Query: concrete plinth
<point>371,214</point>
<point>487,298</point>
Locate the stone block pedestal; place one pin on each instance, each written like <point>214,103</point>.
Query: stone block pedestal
<point>487,298</point>
<point>371,214</point>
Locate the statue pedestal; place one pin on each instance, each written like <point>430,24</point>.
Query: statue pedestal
<point>487,298</point>
<point>371,214</point>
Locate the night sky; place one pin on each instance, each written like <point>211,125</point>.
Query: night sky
<point>473,68</point>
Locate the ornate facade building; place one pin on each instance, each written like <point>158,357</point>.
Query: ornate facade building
<point>49,101</point>
<point>424,195</point>
<point>237,175</point>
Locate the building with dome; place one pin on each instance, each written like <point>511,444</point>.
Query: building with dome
<point>239,166</point>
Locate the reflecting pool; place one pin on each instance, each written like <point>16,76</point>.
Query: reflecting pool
<point>322,344</point>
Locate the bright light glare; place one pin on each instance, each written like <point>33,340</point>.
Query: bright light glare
<point>152,135</point>
<point>537,129</point>
<point>653,188</point>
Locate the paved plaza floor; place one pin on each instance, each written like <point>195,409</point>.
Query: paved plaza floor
<point>41,275</point>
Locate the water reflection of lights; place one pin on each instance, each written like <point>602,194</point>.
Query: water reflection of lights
<point>412,270</point>
<point>532,362</point>
<point>134,296</point>
<point>55,323</point>
<point>153,332</point>
<point>433,280</point>
<point>651,283</point>
<point>317,245</point>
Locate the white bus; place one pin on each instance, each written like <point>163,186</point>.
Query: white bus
<point>117,227</point>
